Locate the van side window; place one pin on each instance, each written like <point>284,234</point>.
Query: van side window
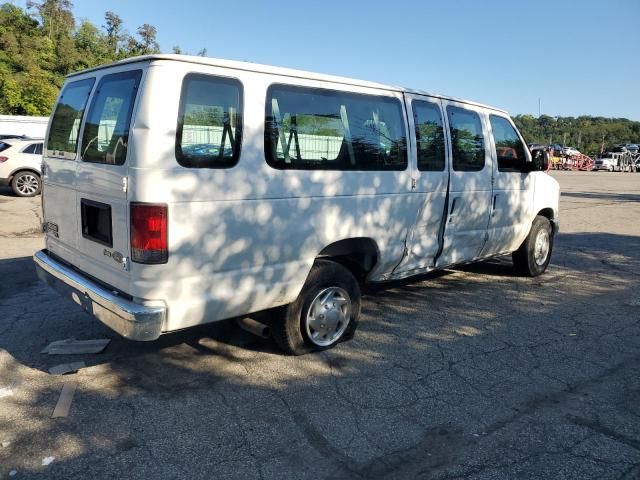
<point>429,136</point>
<point>510,151</point>
<point>318,129</point>
<point>106,132</point>
<point>65,123</point>
<point>467,141</point>
<point>209,132</point>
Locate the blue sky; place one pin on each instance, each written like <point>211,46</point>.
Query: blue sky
<point>579,57</point>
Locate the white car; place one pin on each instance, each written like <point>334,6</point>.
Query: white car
<point>20,165</point>
<point>570,151</point>
<point>183,190</point>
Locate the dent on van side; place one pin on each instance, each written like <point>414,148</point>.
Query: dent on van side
<point>181,190</point>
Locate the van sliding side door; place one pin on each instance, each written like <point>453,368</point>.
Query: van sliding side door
<point>430,174</point>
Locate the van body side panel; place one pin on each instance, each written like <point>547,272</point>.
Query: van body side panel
<point>243,239</point>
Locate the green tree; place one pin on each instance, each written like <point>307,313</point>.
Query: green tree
<point>113,28</point>
<point>41,44</point>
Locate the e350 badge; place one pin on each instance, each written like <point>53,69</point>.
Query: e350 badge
<point>116,256</point>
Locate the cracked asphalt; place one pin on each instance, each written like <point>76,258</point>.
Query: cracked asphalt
<point>472,373</point>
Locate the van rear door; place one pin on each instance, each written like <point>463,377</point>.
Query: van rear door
<point>100,206</point>
<point>59,171</point>
<point>101,177</point>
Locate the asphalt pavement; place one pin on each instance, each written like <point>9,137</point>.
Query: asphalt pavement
<point>472,373</point>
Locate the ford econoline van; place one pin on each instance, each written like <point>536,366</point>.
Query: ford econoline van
<point>183,190</point>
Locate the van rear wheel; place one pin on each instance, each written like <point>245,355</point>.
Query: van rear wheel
<point>325,312</point>
<point>533,256</point>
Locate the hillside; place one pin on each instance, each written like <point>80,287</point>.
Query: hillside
<point>585,133</point>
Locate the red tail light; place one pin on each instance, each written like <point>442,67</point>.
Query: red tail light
<point>149,233</point>
<point>3,159</point>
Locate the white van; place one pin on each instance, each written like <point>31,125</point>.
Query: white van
<point>183,190</point>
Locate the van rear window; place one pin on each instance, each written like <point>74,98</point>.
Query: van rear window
<point>106,132</point>
<point>65,124</point>
<point>318,129</point>
<point>209,132</point>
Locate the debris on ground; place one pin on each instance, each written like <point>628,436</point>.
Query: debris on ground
<point>71,346</point>
<point>47,461</point>
<point>5,444</point>
<point>64,402</point>
<point>65,368</point>
<point>6,392</point>
<point>12,473</point>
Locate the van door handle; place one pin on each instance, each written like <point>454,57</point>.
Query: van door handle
<point>452,212</point>
<point>493,208</point>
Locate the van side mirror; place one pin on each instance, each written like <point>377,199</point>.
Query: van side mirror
<point>539,160</point>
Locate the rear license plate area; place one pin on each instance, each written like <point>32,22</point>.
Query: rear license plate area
<point>96,222</point>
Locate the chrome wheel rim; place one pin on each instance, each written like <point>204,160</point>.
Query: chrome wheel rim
<point>328,316</point>
<point>27,184</point>
<point>541,248</point>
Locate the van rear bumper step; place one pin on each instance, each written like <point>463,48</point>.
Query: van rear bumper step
<point>129,319</point>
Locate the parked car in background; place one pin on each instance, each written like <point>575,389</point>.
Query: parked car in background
<point>557,149</point>
<point>20,165</point>
<point>570,151</point>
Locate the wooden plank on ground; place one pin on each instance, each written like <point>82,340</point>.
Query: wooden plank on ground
<point>65,368</point>
<point>76,347</point>
<point>65,399</point>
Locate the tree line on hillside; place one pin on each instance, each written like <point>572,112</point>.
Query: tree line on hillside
<point>41,44</point>
<point>588,134</point>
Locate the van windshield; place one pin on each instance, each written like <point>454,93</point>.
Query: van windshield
<point>63,134</point>
<point>106,132</point>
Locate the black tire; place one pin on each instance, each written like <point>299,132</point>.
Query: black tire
<point>26,184</point>
<point>289,328</point>
<point>526,260</point>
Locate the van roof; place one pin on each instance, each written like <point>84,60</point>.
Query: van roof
<point>269,69</point>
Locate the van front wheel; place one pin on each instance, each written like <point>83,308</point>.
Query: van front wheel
<point>533,256</point>
<point>325,312</point>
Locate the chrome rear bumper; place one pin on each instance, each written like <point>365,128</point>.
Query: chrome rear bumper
<point>131,320</point>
